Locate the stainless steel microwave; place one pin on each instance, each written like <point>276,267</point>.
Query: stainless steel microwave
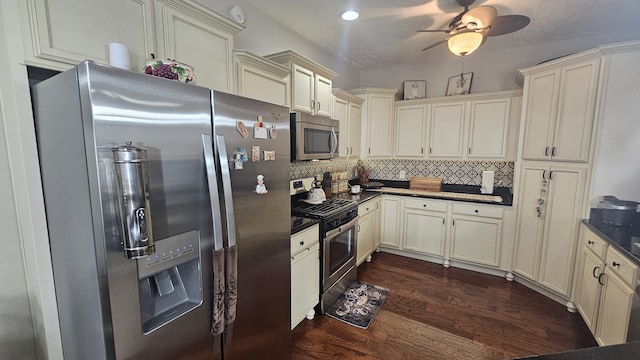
<point>313,137</point>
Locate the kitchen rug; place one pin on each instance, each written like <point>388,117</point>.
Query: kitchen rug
<point>358,304</point>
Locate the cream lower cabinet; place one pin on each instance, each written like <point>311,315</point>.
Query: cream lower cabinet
<point>305,274</point>
<point>424,226</point>
<point>603,289</point>
<point>547,222</point>
<point>476,234</point>
<point>368,230</point>
<point>390,230</point>
<point>589,267</point>
<point>615,307</point>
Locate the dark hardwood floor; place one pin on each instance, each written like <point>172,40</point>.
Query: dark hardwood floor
<point>434,312</point>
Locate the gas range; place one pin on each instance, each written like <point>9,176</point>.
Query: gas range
<point>328,208</point>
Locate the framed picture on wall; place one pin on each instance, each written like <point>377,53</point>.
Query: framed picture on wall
<point>415,89</point>
<point>459,84</point>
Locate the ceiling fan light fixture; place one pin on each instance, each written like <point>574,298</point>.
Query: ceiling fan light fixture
<point>349,15</point>
<point>464,43</point>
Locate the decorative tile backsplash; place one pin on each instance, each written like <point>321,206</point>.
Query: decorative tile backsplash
<point>459,172</point>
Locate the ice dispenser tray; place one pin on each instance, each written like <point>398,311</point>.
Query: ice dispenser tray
<point>170,281</point>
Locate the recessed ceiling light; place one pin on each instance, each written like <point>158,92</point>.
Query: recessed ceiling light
<point>350,15</point>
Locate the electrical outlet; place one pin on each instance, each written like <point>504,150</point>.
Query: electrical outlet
<point>402,174</point>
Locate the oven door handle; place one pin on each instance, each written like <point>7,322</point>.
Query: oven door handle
<point>342,228</point>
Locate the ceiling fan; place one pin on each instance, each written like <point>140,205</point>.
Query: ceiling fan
<point>470,28</point>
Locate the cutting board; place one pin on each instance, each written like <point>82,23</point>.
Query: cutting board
<point>425,183</point>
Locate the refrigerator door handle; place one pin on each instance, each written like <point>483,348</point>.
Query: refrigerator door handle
<point>212,182</point>
<point>231,251</point>
<point>226,190</point>
<point>219,266</point>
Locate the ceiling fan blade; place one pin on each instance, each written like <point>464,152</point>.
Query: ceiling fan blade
<point>481,16</point>
<point>506,24</point>
<point>444,31</point>
<point>436,44</point>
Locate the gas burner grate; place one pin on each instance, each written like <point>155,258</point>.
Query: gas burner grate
<point>330,206</point>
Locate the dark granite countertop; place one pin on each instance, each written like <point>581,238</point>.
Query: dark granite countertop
<point>621,239</point>
<point>503,192</point>
<point>618,352</point>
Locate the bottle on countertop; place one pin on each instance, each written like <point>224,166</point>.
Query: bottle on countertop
<point>326,184</point>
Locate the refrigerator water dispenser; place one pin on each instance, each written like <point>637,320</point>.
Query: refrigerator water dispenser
<point>170,282</point>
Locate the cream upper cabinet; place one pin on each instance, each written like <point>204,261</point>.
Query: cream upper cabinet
<point>261,79</point>
<point>197,36</point>
<point>62,33</point>
<point>411,130</point>
<point>549,207</point>
<point>311,83</point>
<point>447,130</point>
<point>347,108</point>
<point>474,127</point>
<point>489,128</point>
<point>377,121</point>
<point>559,110</point>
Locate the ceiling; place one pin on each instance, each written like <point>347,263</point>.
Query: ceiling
<point>386,31</point>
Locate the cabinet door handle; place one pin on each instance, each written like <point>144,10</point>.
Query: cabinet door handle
<point>313,104</point>
<point>469,151</point>
<point>377,205</point>
<point>551,175</point>
<point>594,272</point>
<point>546,151</point>
<point>421,150</point>
<point>600,278</point>
<point>358,227</point>
<point>553,151</point>
<point>429,151</point>
<point>318,103</point>
<point>544,174</point>
<point>615,264</point>
<point>453,222</point>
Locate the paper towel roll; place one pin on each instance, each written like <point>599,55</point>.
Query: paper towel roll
<point>487,182</point>
<point>119,56</point>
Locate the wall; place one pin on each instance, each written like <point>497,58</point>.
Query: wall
<point>617,166</point>
<point>16,329</point>
<point>492,70</point>
<point>263,35</point>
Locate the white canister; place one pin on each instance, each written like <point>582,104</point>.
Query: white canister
<point>119,56</point>
<point>355,189</point>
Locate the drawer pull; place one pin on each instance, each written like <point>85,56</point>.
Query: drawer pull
<point>476,211</point>
<point>301,243</point>
<point>590,242</point>
<point>615,264</point>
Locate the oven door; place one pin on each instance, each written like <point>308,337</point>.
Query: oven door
<point>339,253</point>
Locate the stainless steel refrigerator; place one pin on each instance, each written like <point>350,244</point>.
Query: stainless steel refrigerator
<point>146,181</point>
